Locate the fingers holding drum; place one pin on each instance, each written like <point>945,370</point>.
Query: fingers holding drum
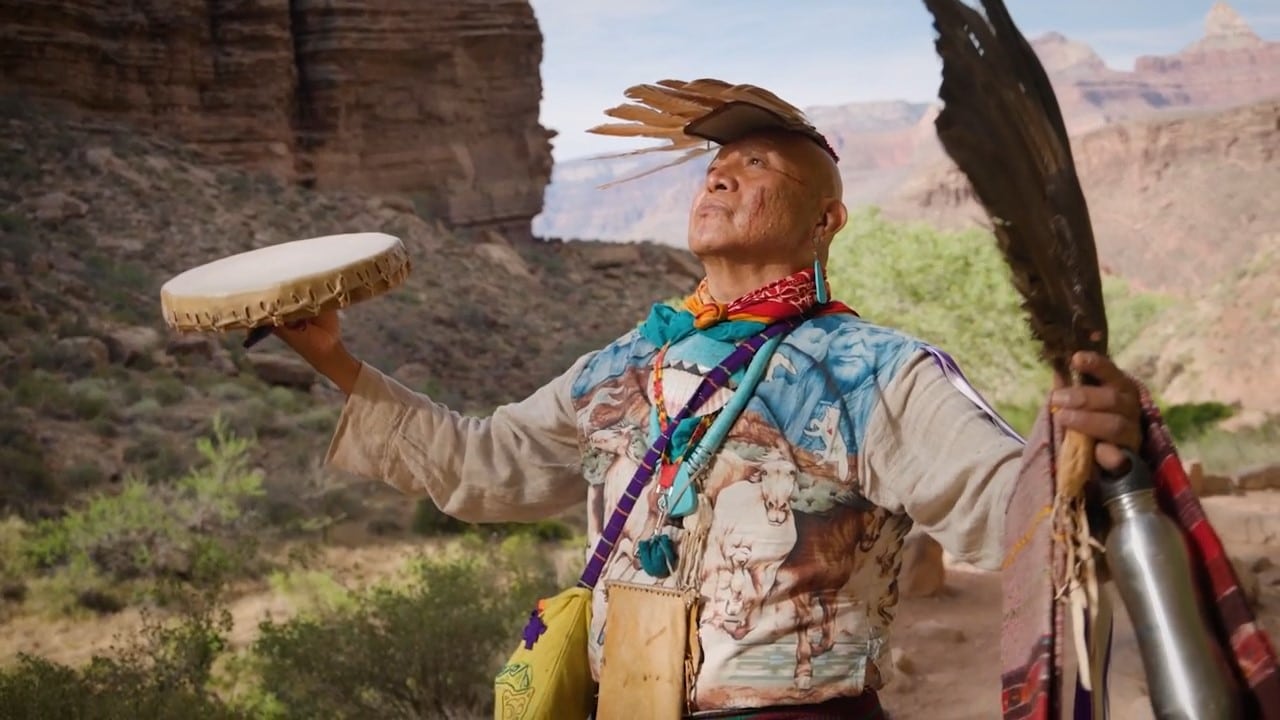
<point>315,339</point>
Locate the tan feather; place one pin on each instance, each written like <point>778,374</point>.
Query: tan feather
<point>682,159</point>
<point>663,110</point>
<point>638,130</point>
<point>646,115</point>
<point>666,100</point>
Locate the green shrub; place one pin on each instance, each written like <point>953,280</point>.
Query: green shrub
<point>82,476</point>
<point>26,475</point>
<point>428,520</point>
<point>145,409</point>
<point>164,673</point>
<point>43,391</point>
<point>953,289</point>
<point>427,648</point>
<point>154,455</point>
<point>168,390</point>
<point>312,590</point>
<point>287,401</point>
<point>105,427</point>
<point>13,565</point>
<point>89,399</point>
<point>230,391</point>
<point>1191,420</point>
<point>1227,452</point>
<point>193,529</point>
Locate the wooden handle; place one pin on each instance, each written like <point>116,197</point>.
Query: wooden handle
<point>257,335</point>
<point>1075,464</point>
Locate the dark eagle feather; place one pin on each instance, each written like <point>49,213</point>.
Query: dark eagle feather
<point>1002,126</point>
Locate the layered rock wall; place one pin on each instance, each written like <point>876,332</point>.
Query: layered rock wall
<point>435,100</point>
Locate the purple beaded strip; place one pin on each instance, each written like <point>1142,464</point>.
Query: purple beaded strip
<point>713,381</point>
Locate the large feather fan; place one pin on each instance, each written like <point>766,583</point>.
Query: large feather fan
<point>1002,126</point>
<point>663,110</point>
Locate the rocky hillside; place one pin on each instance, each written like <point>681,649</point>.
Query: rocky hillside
<point>95,216</point>
<point>888,145</point>
<point>1222,345</point>
<point>436,101</point>
<point>1177,202</point>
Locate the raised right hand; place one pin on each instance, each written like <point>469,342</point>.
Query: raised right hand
<point>318,340</point>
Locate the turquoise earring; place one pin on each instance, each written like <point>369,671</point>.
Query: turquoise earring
<point>819,281</point>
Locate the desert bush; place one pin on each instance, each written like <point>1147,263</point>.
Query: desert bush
<point>13,568</point>
<point>953,289</point>
<point>164,673</point>
<point>153,454</point>
<point>312,590</point>
<point>89,398</point>
<point>1227,452</point>
<point>286,400</point>
<point>230,391</point>
<point>82,476</point>
<point>428,647</point>
<point>192,528</point>
<point>428,520</point>
<point>168,390</point>
<point>26,476</point>
<point>322,419</point>
<point>41,390</point>
<point>1188,421</point>
<point>118,285</point>
<point>20,243</point>
<point>145,409</point>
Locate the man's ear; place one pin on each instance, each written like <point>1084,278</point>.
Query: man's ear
<point>834,216</point>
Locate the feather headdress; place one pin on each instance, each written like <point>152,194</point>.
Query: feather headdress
<point>689,115</point>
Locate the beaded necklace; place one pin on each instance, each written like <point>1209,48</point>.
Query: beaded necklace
<point>670,465</point>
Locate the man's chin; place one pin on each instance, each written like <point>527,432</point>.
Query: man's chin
<point>708,244</point>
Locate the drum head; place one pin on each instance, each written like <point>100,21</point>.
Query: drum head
<point>281,283</point>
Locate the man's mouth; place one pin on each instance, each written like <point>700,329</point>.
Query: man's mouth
<point>712,206</point>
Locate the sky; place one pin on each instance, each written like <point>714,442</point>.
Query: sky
<point>811,52</point>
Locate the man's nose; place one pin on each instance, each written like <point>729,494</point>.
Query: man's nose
<point>719,180</point>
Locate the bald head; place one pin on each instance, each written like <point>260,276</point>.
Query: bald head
<point>815,166</point>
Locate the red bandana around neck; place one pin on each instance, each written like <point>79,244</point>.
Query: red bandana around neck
<point>793,295</point>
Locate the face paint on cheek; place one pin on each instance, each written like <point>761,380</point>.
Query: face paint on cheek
<point>762,215</point>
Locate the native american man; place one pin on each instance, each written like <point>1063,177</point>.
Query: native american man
<point>853,435</point>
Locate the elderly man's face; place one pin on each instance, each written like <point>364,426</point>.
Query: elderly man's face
<point>762,200</point>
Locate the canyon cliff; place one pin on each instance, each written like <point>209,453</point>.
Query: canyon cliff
<point>434,101</point>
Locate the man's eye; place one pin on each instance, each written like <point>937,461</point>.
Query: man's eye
<point>755,161</point>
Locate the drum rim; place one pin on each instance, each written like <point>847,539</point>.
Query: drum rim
<point>292,299</point>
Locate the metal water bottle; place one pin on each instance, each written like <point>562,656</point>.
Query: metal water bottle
<point>1187,673</point>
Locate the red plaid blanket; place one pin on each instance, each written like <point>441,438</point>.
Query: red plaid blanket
<point>1032,634</point>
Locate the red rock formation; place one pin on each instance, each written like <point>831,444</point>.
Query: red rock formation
<point>1230,65</point>
<point>1176,202</point>
<point>1226,66</point>
<point>436,100</point>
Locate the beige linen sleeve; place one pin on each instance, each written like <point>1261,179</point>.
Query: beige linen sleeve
<point>522,463</point>
<point>931,452</point>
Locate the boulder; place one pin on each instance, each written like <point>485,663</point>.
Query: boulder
<point>55,207</point>
<point>130,345</point>
<point>81,354</point>
<point>282,370</point>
